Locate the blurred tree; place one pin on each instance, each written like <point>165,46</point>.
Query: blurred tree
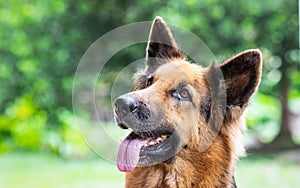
<point>270,25</point>
<point>285,20</point>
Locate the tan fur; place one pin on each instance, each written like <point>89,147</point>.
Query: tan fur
<point>195,165</point>
<point>212,168</point>
<point>191,168</point>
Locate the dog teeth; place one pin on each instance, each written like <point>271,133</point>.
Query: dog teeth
<point>164,137</point>
<point>152,141</point>
<point>159,139</point>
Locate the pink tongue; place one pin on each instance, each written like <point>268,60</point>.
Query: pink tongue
<point>128,154</point>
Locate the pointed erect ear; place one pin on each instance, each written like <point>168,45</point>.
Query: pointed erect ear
<point>242,75</point>
<point>161,45</point>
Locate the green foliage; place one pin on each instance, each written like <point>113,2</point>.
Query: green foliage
<point>42,42</point>
<point>294,94</point>
<point>263,116</point>
<point>22,125</point>
<point>73,143</point>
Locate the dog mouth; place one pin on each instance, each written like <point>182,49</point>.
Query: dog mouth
<point>146,148</point>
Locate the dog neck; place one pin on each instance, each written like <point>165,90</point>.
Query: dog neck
<point>212,168</point>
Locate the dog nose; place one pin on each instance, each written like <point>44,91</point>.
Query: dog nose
<point>125,105</point>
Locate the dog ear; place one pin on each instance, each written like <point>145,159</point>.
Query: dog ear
<point>161,46</point>
<point>242,75</point>
<point>231,85</point>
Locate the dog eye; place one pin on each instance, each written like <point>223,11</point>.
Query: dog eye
<point>180,95</point>
<point>184,94</point>
<point>149,81</point>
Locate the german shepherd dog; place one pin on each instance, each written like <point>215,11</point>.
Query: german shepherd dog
<point>185,120</point>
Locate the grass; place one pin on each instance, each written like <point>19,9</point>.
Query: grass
<point>35,171</point>
<point>39,170</point>
<point>276,171</point>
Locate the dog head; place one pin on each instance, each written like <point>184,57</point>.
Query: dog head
<point>175,104</point>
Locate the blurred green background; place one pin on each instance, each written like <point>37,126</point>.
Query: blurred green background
<point>42,41</point>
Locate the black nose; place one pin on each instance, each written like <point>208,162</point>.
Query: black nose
<point>125,105</point>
